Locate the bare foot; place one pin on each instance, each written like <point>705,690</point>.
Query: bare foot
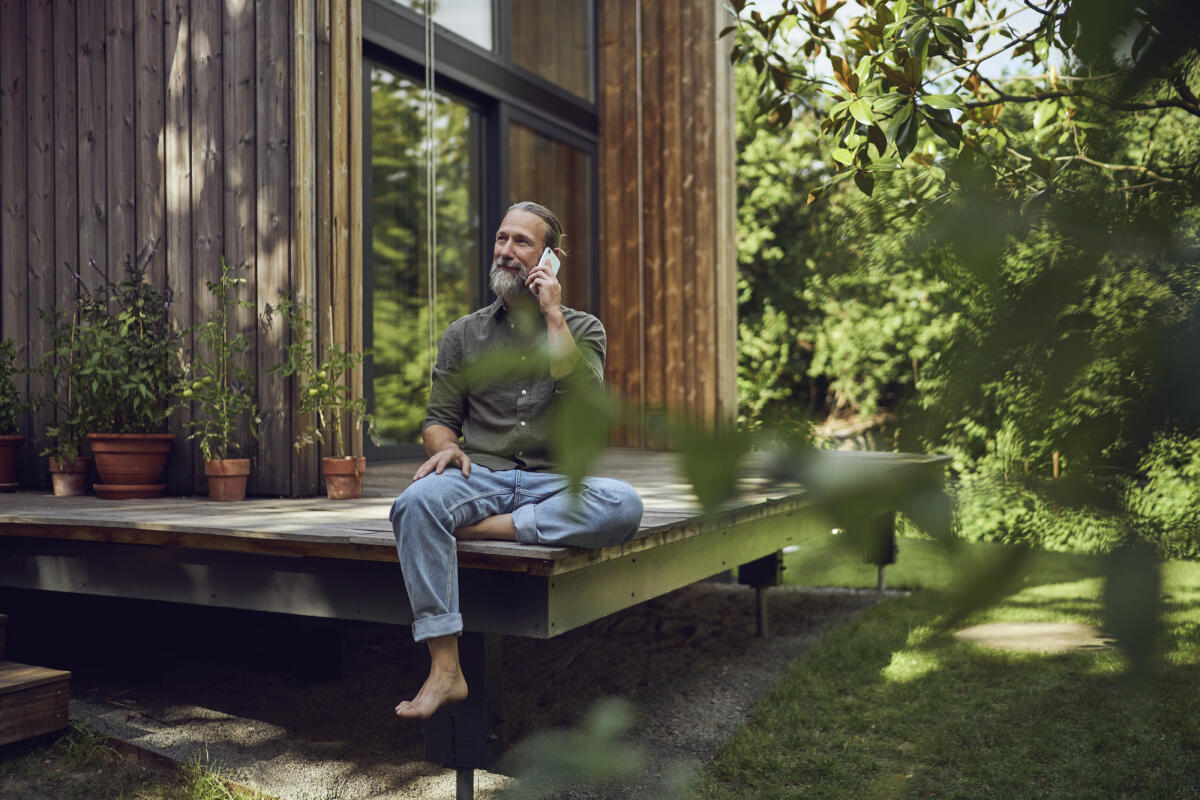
<point>441,688</point>
<point>499,527</point>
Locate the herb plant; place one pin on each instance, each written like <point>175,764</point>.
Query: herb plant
<point>322,391</point>
<point>218,383</point>
<point>129,371</point>
<point>74,418</point>
<point>11,406</point>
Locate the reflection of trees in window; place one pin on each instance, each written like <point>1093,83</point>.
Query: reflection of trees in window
<point>399,243</point>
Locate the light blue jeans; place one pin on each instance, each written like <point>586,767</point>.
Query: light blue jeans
<point>607,511</point>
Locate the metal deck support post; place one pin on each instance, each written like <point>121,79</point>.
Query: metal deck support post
<point>470,735</point>
<point>881,546</point>
<point>762,573</point>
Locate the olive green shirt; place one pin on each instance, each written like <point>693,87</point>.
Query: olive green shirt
<point>505,421</point>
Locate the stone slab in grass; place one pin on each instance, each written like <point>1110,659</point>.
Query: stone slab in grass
<point>1037,637</point>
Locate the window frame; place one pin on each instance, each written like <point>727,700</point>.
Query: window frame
<point>498,92</point>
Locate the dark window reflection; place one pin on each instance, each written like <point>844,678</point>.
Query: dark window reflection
<point>401,289</point>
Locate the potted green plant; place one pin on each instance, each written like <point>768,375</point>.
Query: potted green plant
<point>129,376</point>
<point>69,468</point>
<point>325,396</point>
<point>223,390</point>
<point>11,409</point>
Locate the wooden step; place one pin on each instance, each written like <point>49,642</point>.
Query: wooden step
<point>33,701</point>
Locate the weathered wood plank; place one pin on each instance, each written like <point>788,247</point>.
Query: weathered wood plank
<point>41,218</point>
<point>66,155</point>
<point>653,220</point>
<point>120,80</point>
<point>339,298</point>
<point>324,178</point>
<point>693,368</point>
<point>309,248</point>
<point>633,283</point>
<point>725,213</point>
<point>93,145</point>
<point>273,158</point>
<point>674,291</point>
<point>177,150</point>
<point>14,219</point>
<point>355,299</point>
<point>150,155</point>
<point>704,65</point>
<point>241,222</point>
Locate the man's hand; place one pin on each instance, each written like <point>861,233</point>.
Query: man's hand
<point>450,454</point>
<point>546,289</point>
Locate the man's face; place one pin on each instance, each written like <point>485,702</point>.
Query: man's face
<point>518,246</point>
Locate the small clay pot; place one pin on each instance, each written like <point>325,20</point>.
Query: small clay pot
<point>343,477</point>
<point>130,464</point>
<point>10,455</point>
<point>227,478</point>
<point>70,478</point>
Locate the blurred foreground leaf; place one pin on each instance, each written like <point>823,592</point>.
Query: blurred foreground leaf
<point>1132,604</point>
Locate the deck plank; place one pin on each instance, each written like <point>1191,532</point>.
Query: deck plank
<point>359,529</point>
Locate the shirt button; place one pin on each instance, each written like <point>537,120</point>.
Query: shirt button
<point>524,392</point>
<point>522,423</point>
<point>521,453</point>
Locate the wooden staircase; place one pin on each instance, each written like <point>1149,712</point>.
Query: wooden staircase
<point>33,700</point>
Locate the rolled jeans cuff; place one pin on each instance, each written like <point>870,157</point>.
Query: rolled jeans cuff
<point>525,521</point>
<point>441,625</point>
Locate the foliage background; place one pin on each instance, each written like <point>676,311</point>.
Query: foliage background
<point>1021,294</point>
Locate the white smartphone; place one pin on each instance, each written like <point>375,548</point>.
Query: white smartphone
<point>548,258</point>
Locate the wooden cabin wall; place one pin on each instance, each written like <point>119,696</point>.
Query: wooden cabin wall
<point>177,132</point>
<point>667,256</point>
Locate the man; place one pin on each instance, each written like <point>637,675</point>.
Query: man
<point>497,484</point>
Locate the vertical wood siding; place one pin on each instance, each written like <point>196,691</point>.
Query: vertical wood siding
<point>163,130</point>
<point>681,293</point>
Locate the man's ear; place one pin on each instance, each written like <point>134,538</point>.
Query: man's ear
<point>558,252</point>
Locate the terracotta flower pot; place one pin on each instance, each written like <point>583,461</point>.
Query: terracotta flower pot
<point>227,478</point>
<point>130,464</point>
<point>70,478</point>
<point>343,477</point>
<point>10,453</point>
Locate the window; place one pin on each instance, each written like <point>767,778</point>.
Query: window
<point>510,122</point>
<point>401,291</point>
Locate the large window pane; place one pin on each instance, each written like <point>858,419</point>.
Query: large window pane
<point>552,38</point>
<point>401,288</point>
<point>471,19</point>
<point>558,176</point>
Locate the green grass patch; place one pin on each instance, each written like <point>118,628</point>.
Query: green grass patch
<point>892,706</point>
<point>82,765</point>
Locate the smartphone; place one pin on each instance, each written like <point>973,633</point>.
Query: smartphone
<point>551,260</point>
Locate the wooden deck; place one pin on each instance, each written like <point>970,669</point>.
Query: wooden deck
<point>337,558</point>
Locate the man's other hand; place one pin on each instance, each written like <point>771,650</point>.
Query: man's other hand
<point>450,454</point>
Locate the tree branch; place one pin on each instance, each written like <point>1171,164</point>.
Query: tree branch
<point>1192,108</point>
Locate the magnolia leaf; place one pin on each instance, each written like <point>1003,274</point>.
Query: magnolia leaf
<point>865,181</point>
<point>712,462</point>
<point>843,156</point>
<point>1132,604</point>
<point>579,429</point>
<point>943,100</point>
<point>860,109</point>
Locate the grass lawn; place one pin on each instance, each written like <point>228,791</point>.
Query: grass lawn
<point>80,765</point>
<point>890,707</point>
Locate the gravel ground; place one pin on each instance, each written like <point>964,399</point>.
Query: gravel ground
<point>251,693</point>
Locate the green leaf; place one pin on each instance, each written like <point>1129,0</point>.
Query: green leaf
<point>1132,603</point>
<point>712,463</point>
<point>860,109</point>
<point>843,156</point>
<point>943,100</point>
<point>865,181</point>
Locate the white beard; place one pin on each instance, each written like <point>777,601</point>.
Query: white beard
<point>505,285</point>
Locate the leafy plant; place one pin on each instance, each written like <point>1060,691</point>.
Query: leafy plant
<point>10,398</point>
<point>60,367</point>
<point>322,389</point>
<point>129,371</point>
<point>217,382</point>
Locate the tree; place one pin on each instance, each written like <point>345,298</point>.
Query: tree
<point>907,69</point>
